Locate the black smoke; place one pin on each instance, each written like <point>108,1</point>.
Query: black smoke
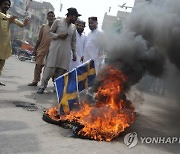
<point>150,38</point>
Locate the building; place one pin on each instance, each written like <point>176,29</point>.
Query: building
<point>37,14</point>
<point>34,10</point>
<point>113,24</point>
<point>18,8</point>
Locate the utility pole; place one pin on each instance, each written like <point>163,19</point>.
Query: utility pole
<point>61,6</point>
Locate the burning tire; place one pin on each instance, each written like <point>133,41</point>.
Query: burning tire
<point>47,119</point>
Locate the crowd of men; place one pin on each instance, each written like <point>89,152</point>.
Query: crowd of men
<point>62,44</point>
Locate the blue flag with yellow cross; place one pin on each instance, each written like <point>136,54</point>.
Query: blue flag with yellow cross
<point>86,74</point>
<point>66,88</point>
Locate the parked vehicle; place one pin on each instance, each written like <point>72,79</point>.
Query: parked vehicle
<point>24,55</point>
<point>18,45</point>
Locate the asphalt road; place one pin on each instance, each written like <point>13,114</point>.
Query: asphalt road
<point>22,130</point>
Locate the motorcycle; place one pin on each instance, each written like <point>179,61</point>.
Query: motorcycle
<point>24,55</point>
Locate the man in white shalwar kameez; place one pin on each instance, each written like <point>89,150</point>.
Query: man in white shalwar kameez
<point>63,34</point>
<point>93,50</point>
<point>80,45</point>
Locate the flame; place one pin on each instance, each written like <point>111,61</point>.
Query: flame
<point>111,113</point>
<point>53,113</point>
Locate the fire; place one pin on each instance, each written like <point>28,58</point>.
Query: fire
<point>53,113</point>
<point>111,113</point>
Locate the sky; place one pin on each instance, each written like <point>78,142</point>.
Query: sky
<point>90,8</point>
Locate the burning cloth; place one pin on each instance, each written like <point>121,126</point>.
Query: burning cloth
<point>104,118</point>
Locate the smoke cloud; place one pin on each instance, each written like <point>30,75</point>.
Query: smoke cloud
<point>149,38</point>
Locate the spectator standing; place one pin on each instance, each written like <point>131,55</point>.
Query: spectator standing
<point>63,34</point>
<point>5,41</point>
<point>80,44</point>
<point>42,47</point>
<point>93,49</point>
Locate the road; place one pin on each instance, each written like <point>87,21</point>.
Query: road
<point>22,130</point>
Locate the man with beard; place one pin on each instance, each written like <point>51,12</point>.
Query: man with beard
<point>80,44</point>
<point>42,47</point>
<point>93,49</point>
<point>63,34</point>
<point>5,41</point>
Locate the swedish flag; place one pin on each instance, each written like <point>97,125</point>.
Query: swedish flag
<point>86,74</point>
<point>66,87</point>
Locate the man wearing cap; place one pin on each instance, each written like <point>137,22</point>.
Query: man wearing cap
<point>80,44</point>
<point>93,50</point>
<point>63,35</point>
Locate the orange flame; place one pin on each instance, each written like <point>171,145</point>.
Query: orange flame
<point>111,114</point>
<point>53,113</point>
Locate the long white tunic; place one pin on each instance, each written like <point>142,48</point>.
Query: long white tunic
<point>60,50</point>
<point>80,46</point>
<point>93,50</point>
